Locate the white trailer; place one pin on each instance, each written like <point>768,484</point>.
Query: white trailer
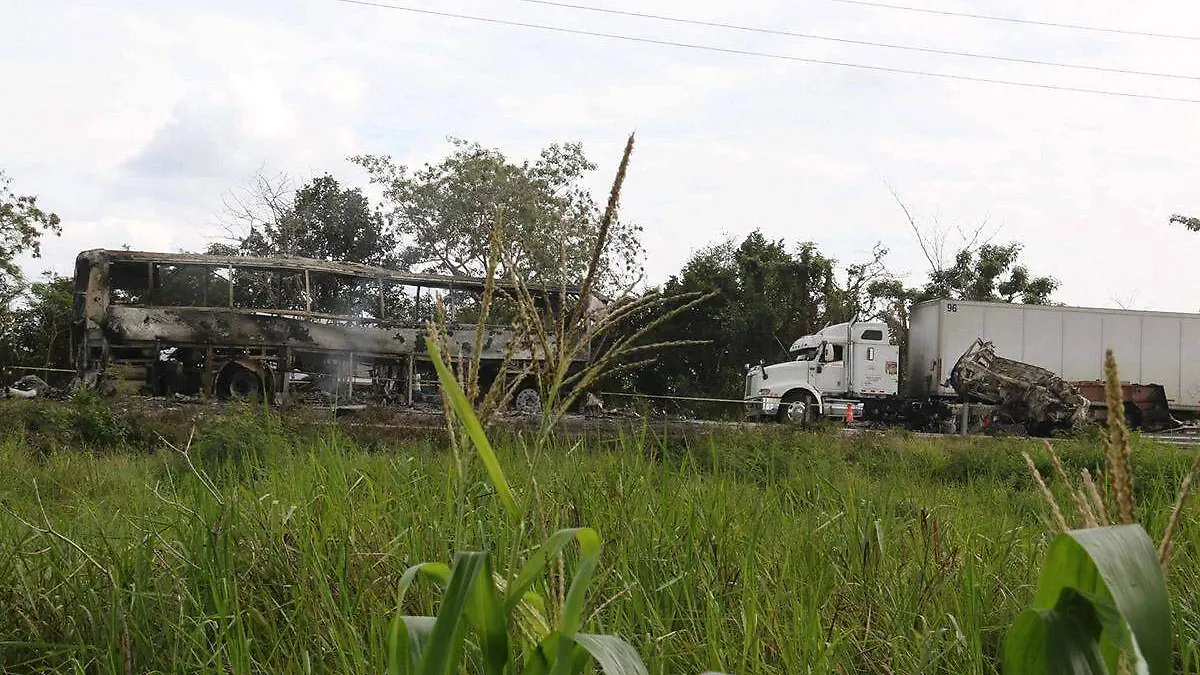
<point>1151,348</point>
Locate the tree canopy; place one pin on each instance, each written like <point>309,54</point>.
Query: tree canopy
<point>37,330</point>
<point>444,213</point>
<point>989,273</point>
<point>22,224</point>
<point>767,297</point>
<point>321,220</point>
<point>1189,222</point>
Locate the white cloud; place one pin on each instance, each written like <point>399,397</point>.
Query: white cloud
<point>134,118</point>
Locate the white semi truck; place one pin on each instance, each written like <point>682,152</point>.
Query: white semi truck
<point>856,365</point>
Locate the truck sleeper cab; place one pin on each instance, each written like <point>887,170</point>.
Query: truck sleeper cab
<point>837,368</point>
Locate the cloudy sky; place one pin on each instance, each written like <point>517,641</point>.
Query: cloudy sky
<point>133,120</point>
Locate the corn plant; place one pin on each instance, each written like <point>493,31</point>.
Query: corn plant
<point>607,340</point>
<point>1101,604</point>
<point>508,620</point>
<point>602,334</point>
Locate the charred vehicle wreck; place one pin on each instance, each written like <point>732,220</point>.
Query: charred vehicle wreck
<point>283,328</point>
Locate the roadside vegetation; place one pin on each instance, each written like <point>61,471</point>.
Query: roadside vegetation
<point>756,551</point>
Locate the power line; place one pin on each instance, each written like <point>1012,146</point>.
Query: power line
<point>768,55</point>
<point>1029,22</point>
<point>810,36</point>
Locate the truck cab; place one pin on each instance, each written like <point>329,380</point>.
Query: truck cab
<point>832,370</point>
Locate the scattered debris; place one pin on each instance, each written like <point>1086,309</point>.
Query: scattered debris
<point>29,386</point>
<point>593,404</point>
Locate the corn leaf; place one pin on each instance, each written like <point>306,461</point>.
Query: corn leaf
<point>589,556</point>
<point>1101,596</point>
<point>615,656</point>
<point>441,653</point>
<point>485,611</point>
<point>409,635</point>
<point>439,572</point>
<point>566,655</point>
<point>466,414</point>
<point>537,562</point>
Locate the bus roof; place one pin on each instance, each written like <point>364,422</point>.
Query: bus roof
<point>449,282</point>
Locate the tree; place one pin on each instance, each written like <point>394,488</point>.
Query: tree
<point>989,273</point>
<point>321,220</point>
<point>444,213</point>
<point>39,328</point>
<point>767,297</point>
<point>978,270</point>
<point>1189,222</point>
<point>22,224</point>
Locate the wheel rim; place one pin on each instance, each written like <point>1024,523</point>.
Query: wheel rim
<point>243,385</point>
<point>797,411</point>
<point>528,401</point>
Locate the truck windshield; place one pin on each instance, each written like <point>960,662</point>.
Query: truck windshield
<point>806,354</point>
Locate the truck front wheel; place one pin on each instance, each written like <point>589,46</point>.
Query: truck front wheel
<point>798,407</point>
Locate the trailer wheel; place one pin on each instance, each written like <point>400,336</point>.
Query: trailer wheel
<point>240,384</point>
<point>805,412</point>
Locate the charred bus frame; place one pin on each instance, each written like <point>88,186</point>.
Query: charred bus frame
<point>246,327</point>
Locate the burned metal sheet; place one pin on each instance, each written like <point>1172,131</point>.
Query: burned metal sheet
<point>201,326</point>
<point>1026,393</point>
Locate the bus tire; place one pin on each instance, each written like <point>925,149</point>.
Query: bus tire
<point>527,401</point>
<point>240,384</point>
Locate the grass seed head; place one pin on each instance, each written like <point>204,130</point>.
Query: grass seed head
<point>1059,521</point>
<point>1116,443</point>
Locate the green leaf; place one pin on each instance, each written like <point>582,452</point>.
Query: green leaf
<point>439,572</point>
<point>566,655</point>
<point>462,407</point>
<point>589,556</point>
<point>615,656</point>
<point>406,644</point>
<point>541,557</point>
<point>1101,594</point>
<point>485,611</point>
<point>441,653</point>
<point>399,656</point>
<point>1060,640</point>
<point>409,634</point>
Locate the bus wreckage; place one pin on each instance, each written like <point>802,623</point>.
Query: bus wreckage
<point>283,328</point>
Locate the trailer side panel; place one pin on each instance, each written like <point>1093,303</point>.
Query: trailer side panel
<point>1160,348</point>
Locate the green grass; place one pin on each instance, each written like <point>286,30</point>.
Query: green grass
<point>766,551</point>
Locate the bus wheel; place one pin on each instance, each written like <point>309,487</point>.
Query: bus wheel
<point>241,384</point>
<point>527,401</point>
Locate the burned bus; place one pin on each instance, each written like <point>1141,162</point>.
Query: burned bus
<point>280,328</point>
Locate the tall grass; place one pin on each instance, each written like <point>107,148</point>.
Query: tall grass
<point>768,552</point>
